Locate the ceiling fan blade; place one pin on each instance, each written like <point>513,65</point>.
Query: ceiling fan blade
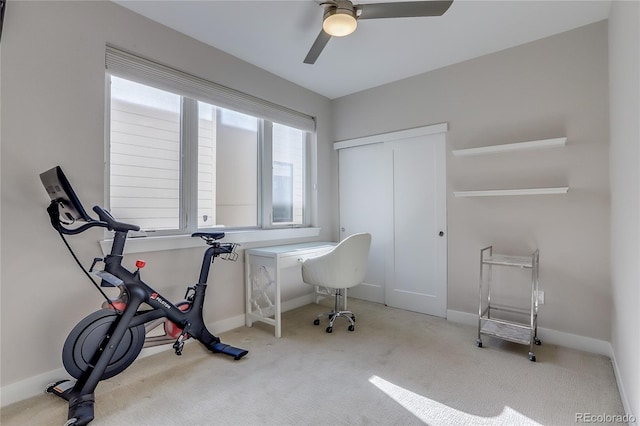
<point>3,6</point>
<point>316,49</point>
<point>406,9</point>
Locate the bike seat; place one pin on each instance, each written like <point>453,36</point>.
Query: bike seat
<point>209,235</point>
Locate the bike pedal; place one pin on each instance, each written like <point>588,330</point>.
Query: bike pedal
<point>178,346</point>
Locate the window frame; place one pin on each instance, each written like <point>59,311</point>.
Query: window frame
<point>188,220</point>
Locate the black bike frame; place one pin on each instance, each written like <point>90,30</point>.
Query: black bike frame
<point>81,396</point>
<point>139,292</point>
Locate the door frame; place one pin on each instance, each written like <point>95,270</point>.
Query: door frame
<point>396,135</point>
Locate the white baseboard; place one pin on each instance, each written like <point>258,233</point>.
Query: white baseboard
<point>559,338</point>
<point>462,317</point>
<point>35,385</point>
<point>298,302</point>
<point>226,324</point>
<point>621,389</point>
<point>30,387</point>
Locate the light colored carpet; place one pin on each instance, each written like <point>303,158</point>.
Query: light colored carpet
<point>397,368</point>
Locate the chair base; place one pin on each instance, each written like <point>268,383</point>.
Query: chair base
<point>337,313</point>
<point>333,315</point>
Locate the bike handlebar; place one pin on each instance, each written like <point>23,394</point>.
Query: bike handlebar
<point>106,221</point>
<point>113,224</point>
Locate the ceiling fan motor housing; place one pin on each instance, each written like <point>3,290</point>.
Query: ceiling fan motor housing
<point>339,18</point>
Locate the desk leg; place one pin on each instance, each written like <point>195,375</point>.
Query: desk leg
<point>278,314</point>
<point>248,290</point>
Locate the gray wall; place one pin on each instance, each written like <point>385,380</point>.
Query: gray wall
<point>550,88</point>
<point>624,75</point>
<point>53,75</point>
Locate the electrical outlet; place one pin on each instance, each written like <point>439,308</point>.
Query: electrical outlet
<point>540,297</point>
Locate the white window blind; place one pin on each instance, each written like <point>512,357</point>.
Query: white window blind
<point>127,65</point>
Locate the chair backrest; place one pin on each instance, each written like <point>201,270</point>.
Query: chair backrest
<point>343,267</point>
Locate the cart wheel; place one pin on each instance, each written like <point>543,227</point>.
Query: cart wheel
<point>537,341</point>
<point>329,329</point>
<point>316,322</point>
<point>479,343</point>
<point>352,327</point>
<point>532,357</point>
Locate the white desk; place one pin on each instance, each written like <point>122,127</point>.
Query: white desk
<point>262,270</point>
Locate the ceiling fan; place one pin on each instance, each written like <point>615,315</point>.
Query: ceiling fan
<point>341,16</point>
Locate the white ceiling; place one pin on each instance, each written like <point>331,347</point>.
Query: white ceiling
<point>276,35</point>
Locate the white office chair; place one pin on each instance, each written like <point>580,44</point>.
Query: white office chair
<point>343,267</point>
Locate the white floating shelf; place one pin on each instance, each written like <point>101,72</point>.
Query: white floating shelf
<point>508,192</point>
<point>520,146</point>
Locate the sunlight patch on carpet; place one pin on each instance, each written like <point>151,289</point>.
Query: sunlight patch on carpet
<point>435,413</point>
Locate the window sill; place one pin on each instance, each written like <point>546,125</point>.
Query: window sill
<point>175,242</point>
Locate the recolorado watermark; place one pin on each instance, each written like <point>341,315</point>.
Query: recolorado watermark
<point>605,418</point>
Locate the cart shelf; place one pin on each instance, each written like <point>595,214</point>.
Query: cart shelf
<point>519,261</point>
<point>511,332</point>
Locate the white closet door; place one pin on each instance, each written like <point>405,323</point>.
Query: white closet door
<point>417,279</point>
<point>365,182</point>
<point>394,187</point>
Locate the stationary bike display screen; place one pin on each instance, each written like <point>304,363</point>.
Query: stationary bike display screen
<point>59,190</point>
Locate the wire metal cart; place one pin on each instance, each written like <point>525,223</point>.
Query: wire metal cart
<point>490,320</point>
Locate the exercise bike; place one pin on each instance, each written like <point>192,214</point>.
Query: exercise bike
<point>107,341</point>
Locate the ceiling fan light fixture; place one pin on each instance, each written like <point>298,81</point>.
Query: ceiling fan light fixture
<point>339,22</point>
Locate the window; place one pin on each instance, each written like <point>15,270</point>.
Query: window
<point>228,184</point>
<point>289,154</point>
<point>181,160</point>
<point>145,155</point>
<point>282,192</point>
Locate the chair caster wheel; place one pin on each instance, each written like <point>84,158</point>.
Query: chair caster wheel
<point>532,357</point>
<point>352,328</point>
<point>316,322</point>
<point>479,343</point>
<point>537,341</point>
<point>329,330</point>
